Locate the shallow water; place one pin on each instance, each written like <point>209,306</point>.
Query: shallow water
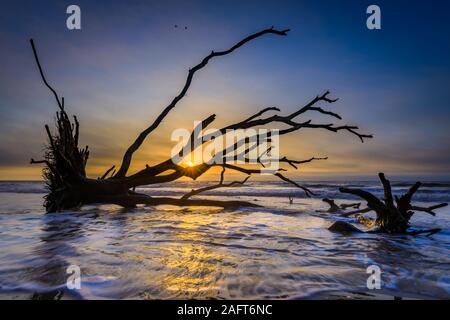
<point>280,251</point>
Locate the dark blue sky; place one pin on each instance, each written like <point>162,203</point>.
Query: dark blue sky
<point>128,61</point>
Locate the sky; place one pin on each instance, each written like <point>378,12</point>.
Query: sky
<point>129,60</point>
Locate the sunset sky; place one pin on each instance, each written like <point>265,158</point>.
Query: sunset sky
<point>129,61</point>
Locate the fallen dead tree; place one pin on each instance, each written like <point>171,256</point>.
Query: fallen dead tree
<point>65,162</point>
<point>393,214</point>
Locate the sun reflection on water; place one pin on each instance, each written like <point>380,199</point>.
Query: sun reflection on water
<point>192,268</point>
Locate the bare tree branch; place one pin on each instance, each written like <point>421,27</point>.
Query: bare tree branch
<point>388,200</point>
<point>355,205</point>
<point>140,139</point>
<point>289,120</point>
<point>148,174</point>
<point>107,172</point>
<point>60,105</point>
<point>374,202</point>
<point>429,232</point>
<point>69,187</point>
<point>293,163</point>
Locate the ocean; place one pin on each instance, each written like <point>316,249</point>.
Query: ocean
<point>278,251</point>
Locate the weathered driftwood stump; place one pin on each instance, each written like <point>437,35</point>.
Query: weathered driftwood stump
<point>391,216</point>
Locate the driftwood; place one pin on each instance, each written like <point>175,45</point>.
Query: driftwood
<point>392,213</point>
<point>65,162</point>
<point>334,208</point>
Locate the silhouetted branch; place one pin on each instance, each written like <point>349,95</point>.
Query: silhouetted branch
<point>293,163</point>
<point>355,205</point>
<point>308,192</point>
<point>370,198</point>
<point>60,105</point>
<point>359,211</point>
<point>221,184</point>
<point>148,175</point>
<point>69,187</point>
<point>107,172</point>
<point>252,122</point>
<point>388,199</point>
<point>140,139</point>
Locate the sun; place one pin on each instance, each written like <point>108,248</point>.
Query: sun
<point>189,164</point>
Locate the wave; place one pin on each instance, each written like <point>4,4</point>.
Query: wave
<point>22,187</point>
<point>429,192</point>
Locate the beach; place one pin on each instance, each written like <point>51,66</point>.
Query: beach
<point>278,251</point>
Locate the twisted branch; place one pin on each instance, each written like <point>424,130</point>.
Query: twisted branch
<point>107,172</point>
<point>140,139</point>
<point>60,105</point>
<point>151,174</point>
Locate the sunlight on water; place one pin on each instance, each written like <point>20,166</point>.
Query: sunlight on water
<point>280,251</point>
